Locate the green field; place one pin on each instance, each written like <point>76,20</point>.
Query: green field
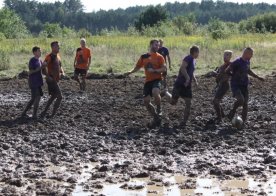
<point>121,53</point>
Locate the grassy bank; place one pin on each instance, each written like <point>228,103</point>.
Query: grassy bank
<point>121,53</point>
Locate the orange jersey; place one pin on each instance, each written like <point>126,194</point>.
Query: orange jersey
<point>53,66</point>
<point>83,58</point>
<point>151,60</point>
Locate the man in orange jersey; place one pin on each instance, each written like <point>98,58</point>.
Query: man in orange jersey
<point>154,65</point>
<point>53,72</point>
<point>82,63</point>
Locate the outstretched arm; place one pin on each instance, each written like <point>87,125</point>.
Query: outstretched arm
<point>135,69</point>
<point>251,73</point>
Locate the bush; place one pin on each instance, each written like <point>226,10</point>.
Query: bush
<point>84,33</point>
<point>4,61</point>
<point>11,25</point>
<point>218,29</point>
<point>259,24</point>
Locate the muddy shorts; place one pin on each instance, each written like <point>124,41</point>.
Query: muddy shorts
<point>53,88</point>
<point>82,72</point>
<point>149,86</point>
<point>36,92</point>
<point>221,90</point>
<point>182,91</point>
<point>239,91</point>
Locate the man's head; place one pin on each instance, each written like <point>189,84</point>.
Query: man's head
<point>154,45</point>
<point>83,42</point>
<point>161,42</point>
<point>194,51</point>
<point>227,56</point>
<point>36,51</point>
<point>247,53</point>
<point>55,47</point>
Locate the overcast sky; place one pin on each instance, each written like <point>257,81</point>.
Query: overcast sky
<point>95,5</point>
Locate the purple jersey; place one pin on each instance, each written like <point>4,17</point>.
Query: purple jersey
<point>35,79</point>
<point>240,70</point>
<point>190,70</point>
<point>164,52</point>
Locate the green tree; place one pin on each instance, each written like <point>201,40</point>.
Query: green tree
<point>151,17</point>
<point>218,29</point>
<point>11,24</point>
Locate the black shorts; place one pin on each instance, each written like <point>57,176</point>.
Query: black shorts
<point>182,91</point>
<point>239,91</point>
<point>36,92</point>
<point>149,86</point>
<point>221,90</point>
<point>53,88</point>
<point>82,72</point>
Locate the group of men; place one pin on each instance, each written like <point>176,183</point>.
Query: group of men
<point>155,68</point>
<point>52,69</point>
<point>154,63</point>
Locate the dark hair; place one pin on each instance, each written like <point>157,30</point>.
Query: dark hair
<point>153,41</point>
<point>54,43</point>
<point>249,49</point>
<point>79,49</point>
<point>35,49</point>
<point>194,49</point>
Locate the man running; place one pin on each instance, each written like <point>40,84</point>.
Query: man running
<point>35,82</point>
<point>222,79</point>
<point>82,64</point>
<point>240,69</point>
<point>53,72</point>
<point>154,65</point>
<point>183,84</point>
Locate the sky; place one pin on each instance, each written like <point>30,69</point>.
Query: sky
<point>95,5</point>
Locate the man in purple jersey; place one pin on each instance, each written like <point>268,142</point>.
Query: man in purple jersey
<point>183,84</point>
<point>240,69</point>
<point>35,82</point>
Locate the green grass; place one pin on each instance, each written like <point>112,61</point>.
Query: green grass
<point>121,53</point>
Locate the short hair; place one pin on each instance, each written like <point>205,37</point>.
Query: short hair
<point>54,43</point>
<point>153,41</point>
<point>79,49</point>
<point>194,49</point>
<point>248,49</point>
<point>228,52</point>
<point>83,40</point>
<point>161,40</point>
<point>35,49</point>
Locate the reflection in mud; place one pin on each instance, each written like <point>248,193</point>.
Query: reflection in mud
<point>204,186</point>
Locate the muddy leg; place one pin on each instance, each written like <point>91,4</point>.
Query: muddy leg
<point>218,109</point>
<point>188,103</point>
<point>157,100</point>
<point>239,102</point>
<point>28,107</point>
<point>36,104</point>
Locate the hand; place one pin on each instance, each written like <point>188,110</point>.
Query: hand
<point>49,79</point>
<point>127,73</point>
<point>150,70</point>
<point>261,79</point>
<point>196,83</point>
<point>187,83</point>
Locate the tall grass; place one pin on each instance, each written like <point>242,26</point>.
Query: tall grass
<point>121,52</point>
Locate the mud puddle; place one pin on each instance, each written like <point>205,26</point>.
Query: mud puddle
<point>203,186</point>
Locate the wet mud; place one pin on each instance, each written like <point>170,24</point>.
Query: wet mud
<point>99,143</point>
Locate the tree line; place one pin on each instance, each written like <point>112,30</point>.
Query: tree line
<point>68,17</point>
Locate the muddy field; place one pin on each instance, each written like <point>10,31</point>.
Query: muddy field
<point>99,142</point>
